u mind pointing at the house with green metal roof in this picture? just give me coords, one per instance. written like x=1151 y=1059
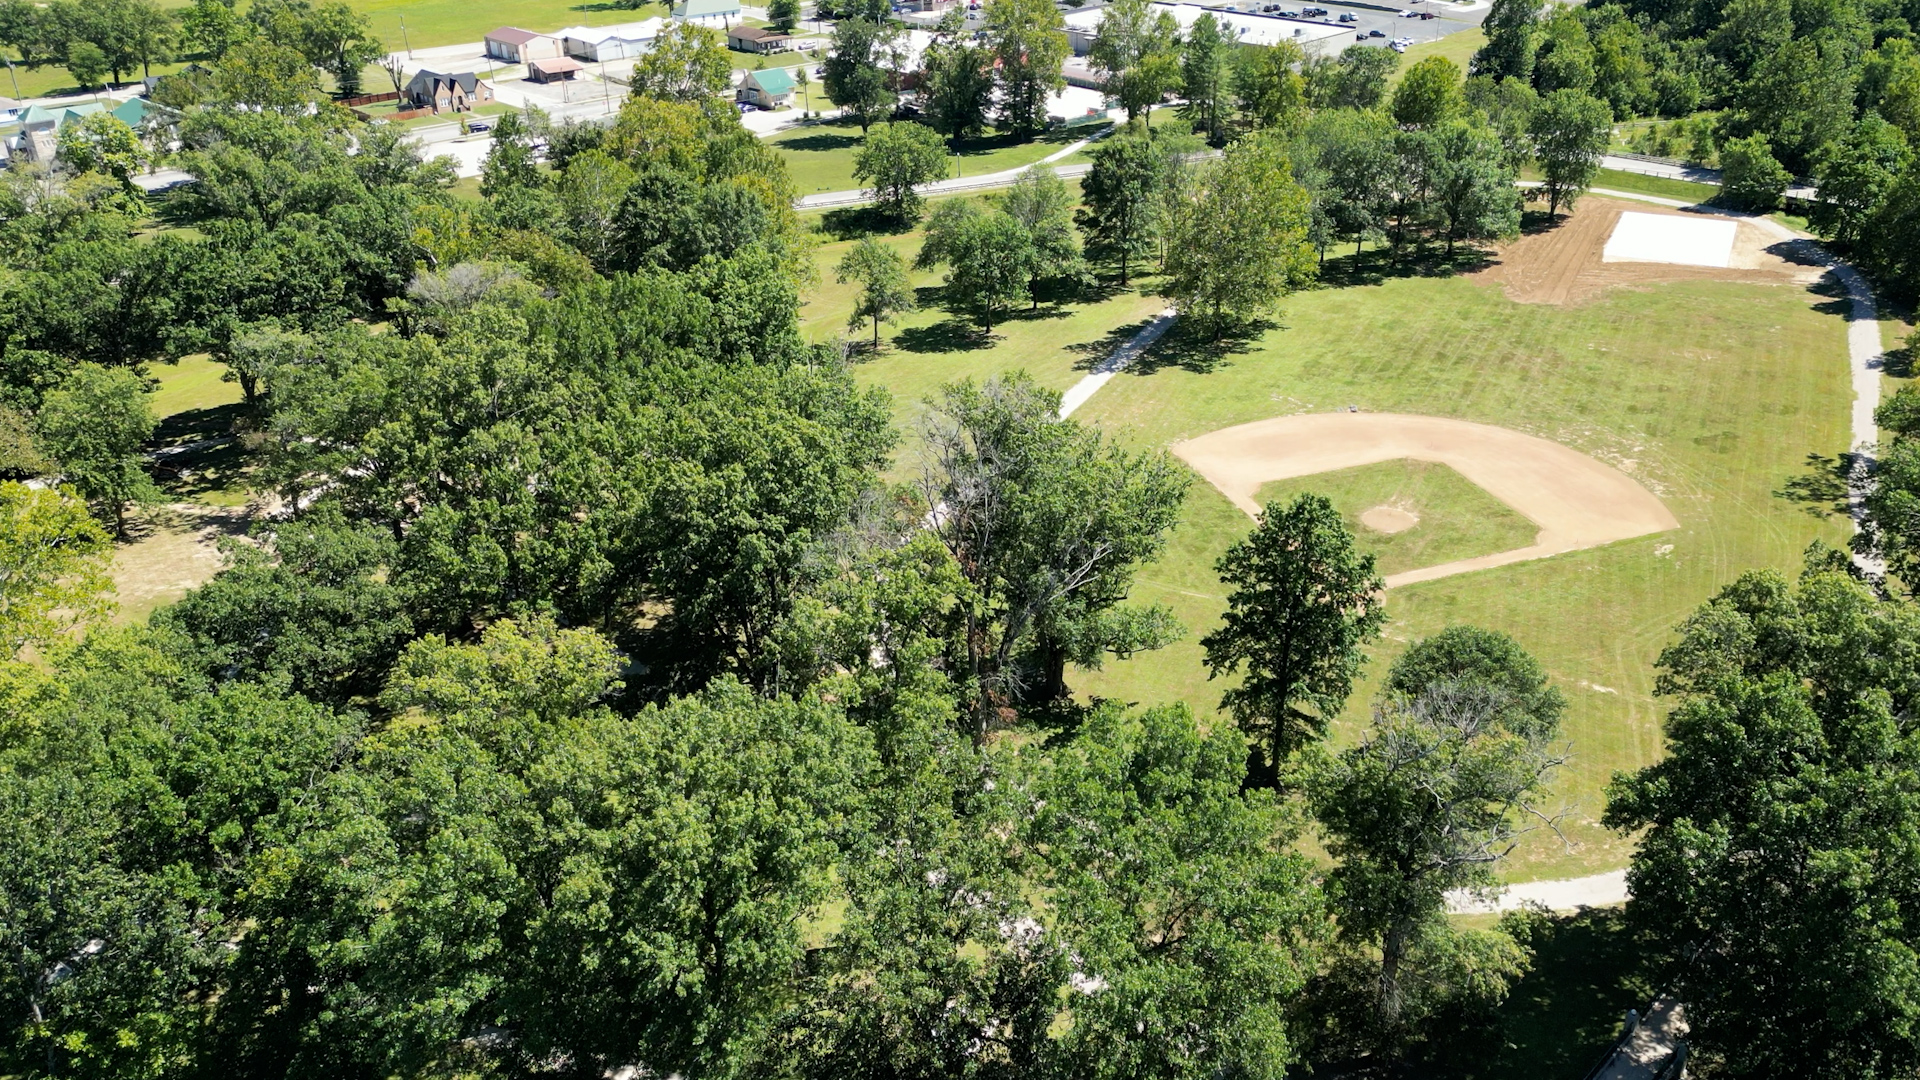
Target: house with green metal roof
x=40 y=125
x=720 y=13
x=771 y=88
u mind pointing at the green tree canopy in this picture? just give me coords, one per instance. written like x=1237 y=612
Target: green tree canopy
x=1300 y=604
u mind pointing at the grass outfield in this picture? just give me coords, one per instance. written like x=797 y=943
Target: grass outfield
x=820 y=157
x=1456 y=519
x=1711 y=392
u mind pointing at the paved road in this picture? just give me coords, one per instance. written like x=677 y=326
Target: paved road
x=982 y=182
x=1670 y=170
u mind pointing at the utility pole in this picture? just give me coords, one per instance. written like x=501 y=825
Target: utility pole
x=403 y=37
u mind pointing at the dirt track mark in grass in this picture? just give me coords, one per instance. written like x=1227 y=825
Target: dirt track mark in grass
x=1456 y=519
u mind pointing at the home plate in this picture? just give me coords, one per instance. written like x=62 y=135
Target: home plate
x=1671 y=238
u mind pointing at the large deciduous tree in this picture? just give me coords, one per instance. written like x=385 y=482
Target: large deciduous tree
x=855 y=74
x=1241 y=244
x=957 y=81
x=1301 y=603
x=1048 y=522
x=1192 y=923
x=95 y=425
x=881 y=274
x=1777 y=863
x=1136 y=50
x=1029 y=42
x=1123 y=214
x=989 y=256
x=1570 y=131
x=897 y=158
x=687 y=62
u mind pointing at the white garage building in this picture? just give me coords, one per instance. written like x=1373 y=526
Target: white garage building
x=620 y=41
x=1248 y=29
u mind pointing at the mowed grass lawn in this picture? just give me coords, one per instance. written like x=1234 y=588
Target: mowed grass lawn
x=820 y=157
x=1711 y=392
x=930 y=348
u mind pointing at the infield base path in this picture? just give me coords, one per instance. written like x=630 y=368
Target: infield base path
x=1576 y=501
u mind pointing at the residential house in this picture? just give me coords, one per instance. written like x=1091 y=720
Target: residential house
x=517 y=46
x=618 y=42
x=758 y=39
x=560 y=69
x=720 y=13
x=40 y=126
x=768 y=89
x=463 y=92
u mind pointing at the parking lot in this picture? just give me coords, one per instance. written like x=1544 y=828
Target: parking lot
x=1448 y=18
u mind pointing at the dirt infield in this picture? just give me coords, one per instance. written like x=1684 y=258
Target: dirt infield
x=1563 y=265
x=1577 y=501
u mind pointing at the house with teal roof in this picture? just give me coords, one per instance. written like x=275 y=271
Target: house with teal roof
x=771 y=88
x=40 y=125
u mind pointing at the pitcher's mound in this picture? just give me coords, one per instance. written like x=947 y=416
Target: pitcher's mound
x=1389 y=519
x=1576 y=501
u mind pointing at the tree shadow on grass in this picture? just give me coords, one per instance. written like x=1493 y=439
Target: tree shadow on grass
x=1376 y=266
x=1197 y=349
x=823 y=142
x=1837 y=302
x=201 y=451
x=1091 y=353
x=855 y=222
x=949 y=335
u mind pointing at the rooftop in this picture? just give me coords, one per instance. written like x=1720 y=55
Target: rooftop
x=1247 y=29
x=644 y=30
x=513 y=35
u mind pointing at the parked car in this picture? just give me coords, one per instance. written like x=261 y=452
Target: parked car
x=1349 y=17
x=1376 y=33
x=1409 y=15
x=1313 y=12
x=1361 y=36
x=475 y=127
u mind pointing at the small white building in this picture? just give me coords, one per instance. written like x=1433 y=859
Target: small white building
x=620 y=41
x=719 y=14
x=1245 y=28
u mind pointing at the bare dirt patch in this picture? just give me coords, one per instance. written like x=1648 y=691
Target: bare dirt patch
x=1563 y=264
x=175 y=550
x=1389 y=519
x=1577 y=501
